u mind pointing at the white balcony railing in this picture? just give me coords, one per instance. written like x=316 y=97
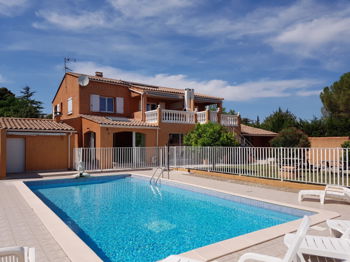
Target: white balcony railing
x=181 y=117
x=229 y=120
x=151 y=116
x=201 y=117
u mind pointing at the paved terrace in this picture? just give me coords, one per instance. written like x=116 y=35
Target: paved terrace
x=19 y=225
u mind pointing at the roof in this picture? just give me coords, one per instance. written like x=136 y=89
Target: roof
x=118 y=121
x=33 y=124
x=254 y=131
x=134 y=86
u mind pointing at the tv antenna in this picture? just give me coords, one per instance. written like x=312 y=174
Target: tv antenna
x=68 y=60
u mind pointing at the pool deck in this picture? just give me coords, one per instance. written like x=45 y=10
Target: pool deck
x=20 y=223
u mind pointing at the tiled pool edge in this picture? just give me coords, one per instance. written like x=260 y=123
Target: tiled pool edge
x=229 y=246
x=81 y=252
x=75 y=248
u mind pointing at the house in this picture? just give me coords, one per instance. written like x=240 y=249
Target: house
x=108 y=112
x=28 y=144
x=258 y=137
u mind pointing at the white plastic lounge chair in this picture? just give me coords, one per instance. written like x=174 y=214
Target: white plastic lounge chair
x=339 y=228
x=332 y=191
x=177 y=258
x=291 y=254
x=320 y=246
x=18 y=254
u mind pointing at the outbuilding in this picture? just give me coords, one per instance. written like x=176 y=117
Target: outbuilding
x=33 y=144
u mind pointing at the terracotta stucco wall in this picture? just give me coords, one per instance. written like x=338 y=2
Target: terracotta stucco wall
x=46 y=152
x=328 y=141
x=69 y=88
x=2 y=153
x=166 y=129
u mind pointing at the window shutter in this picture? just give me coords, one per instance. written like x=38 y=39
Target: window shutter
x=120 y=105
x=70 y=106
x=94 y=103
x=58 y=108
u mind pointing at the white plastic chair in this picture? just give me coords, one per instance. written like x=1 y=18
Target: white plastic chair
x=17 y=254
x=332 y=191
x=291 y=255
x=339 y=228
x=320 y=246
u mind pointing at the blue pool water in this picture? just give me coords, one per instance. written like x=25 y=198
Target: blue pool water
x=125 y=219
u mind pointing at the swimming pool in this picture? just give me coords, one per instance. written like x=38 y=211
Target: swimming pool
x=123 y=218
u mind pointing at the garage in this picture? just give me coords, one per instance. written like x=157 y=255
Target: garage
x=29 y=145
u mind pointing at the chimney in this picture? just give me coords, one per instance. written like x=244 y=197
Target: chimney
x=99 y=74
x=189 y=99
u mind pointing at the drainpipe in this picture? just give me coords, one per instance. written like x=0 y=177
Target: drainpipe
x=69 y=136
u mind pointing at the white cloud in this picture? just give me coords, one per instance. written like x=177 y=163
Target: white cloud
x=12 y=7
x=146 y=8
x=265 y=88
x=68 y=21
x=306 y=38
x=2 y=79
x=309 y=92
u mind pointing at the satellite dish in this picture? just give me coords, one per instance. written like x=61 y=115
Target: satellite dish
x=83 y=80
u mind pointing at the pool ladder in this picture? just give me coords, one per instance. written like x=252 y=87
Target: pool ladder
x=156 y=177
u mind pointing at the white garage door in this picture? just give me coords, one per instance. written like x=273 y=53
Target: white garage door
x=15 y=149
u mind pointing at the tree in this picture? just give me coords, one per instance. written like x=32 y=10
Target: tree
x=314 y=127
x=336 y=97
x=211 y=134
x=5 y=93
x=23 y=106
x=31 y=107
x=279 y=120
x=229 y=112
x=290 y=137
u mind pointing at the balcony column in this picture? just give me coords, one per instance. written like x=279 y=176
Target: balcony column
x=195 y=115
x=219 y=112
x=207 y=115
x=143 y=106
x=159 y=115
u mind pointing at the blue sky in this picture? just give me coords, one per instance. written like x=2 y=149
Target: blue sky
x=258 y=55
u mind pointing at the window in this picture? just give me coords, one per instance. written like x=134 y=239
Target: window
x=70 y=106
x=151 y=107
x=106 y=104
x=175 y=140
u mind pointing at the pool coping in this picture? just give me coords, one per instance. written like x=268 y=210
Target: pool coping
x=77 y=250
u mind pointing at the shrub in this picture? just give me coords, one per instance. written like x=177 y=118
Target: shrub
x=290 y=137
x=211 y=134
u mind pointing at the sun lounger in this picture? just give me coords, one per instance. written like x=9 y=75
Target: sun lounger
x=291 y=254
x=18 y=254
x=320 y=246
x=331 y=191
x=339 y=228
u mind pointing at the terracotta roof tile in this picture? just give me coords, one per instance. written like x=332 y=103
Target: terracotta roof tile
x=144 y=87
x=118 y=121
x=38 y=124
x=253 y=131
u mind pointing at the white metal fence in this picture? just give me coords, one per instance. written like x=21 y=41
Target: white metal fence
x=307 y=165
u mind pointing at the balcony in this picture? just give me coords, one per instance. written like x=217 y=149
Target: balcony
x=188 y=117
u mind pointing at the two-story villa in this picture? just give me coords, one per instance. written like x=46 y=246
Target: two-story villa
x=114 y=113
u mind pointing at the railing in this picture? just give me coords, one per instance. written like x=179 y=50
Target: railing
x=181 y=117
x=229 y=120
x=152 y=116
x=306 y=165
x=213 y=116
x=202 y=117
x=119 y=158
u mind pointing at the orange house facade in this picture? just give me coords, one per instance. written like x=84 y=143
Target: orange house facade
x=114 y=113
